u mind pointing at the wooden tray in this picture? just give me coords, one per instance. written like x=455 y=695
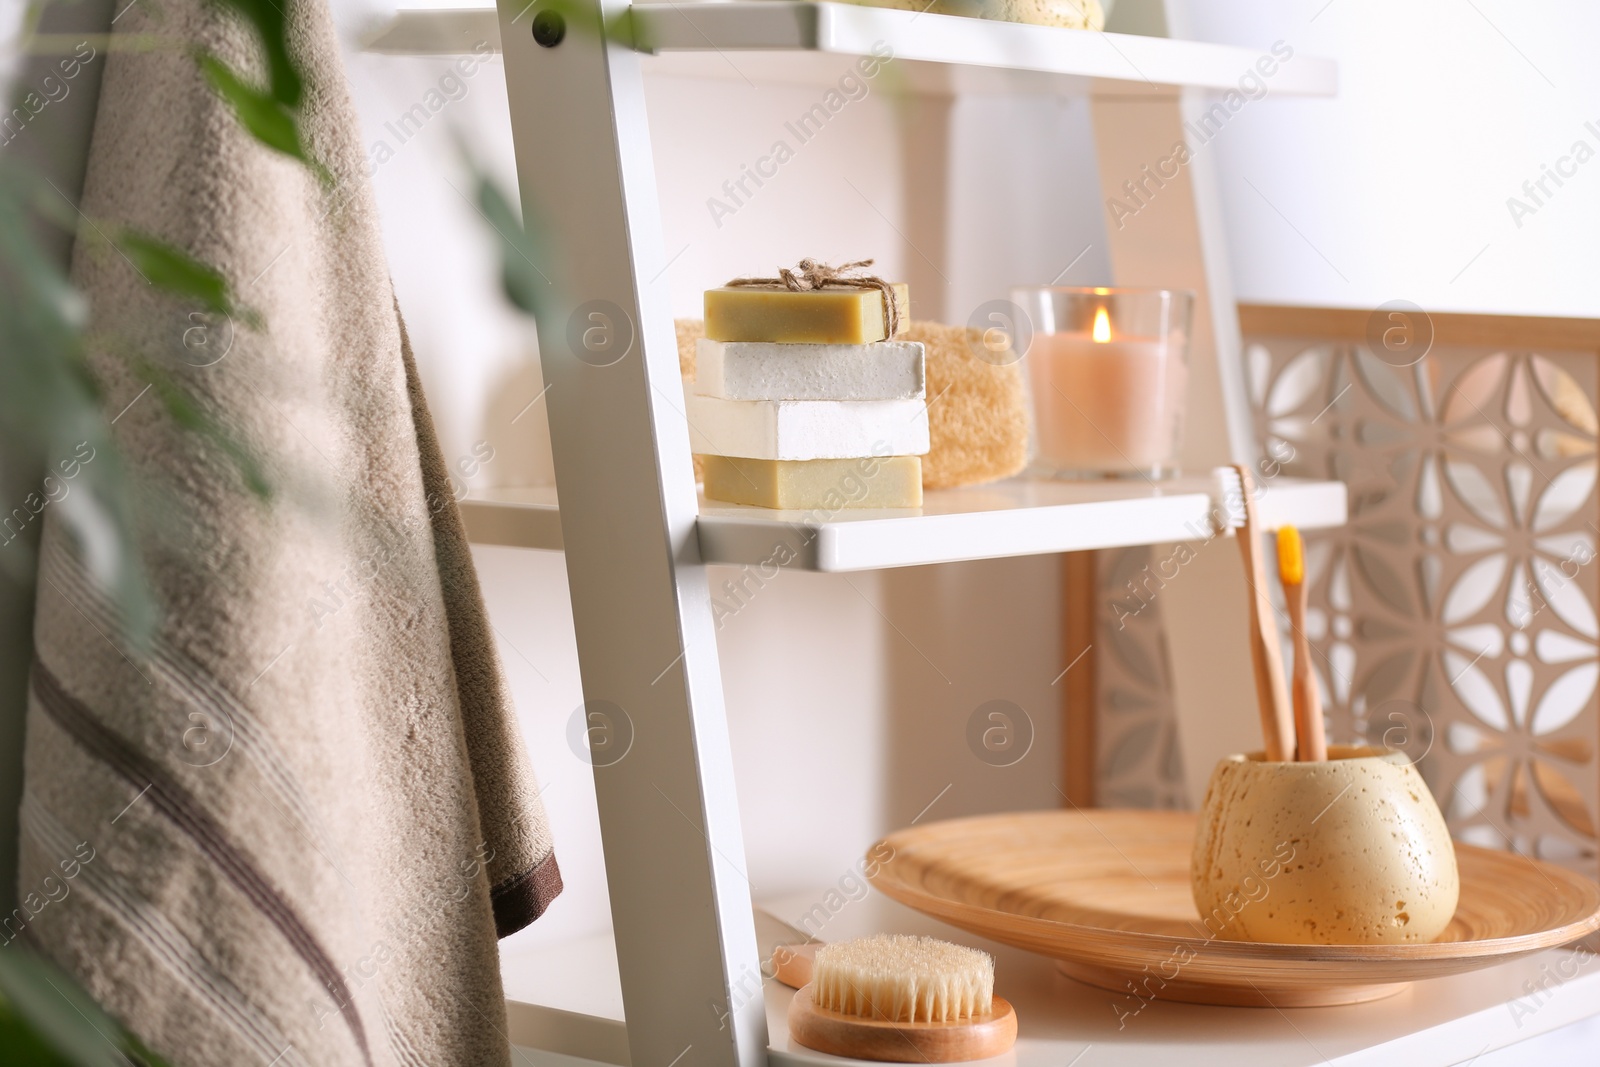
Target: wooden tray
x=1106 y=893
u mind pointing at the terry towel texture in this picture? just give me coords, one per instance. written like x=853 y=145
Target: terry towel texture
x=289 y=831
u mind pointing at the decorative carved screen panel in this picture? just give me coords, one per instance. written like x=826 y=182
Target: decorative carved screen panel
x=1138 y=764
x=1455 y=616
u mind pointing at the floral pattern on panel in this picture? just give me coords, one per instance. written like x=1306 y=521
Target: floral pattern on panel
x=1137 y=760
x=1455 y=615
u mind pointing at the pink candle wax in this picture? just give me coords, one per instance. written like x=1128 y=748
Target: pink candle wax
x=1113 y=405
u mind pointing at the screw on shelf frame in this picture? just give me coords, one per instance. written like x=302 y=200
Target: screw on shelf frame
x=549 y=28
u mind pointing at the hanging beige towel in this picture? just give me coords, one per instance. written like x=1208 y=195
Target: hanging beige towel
x=288 y=831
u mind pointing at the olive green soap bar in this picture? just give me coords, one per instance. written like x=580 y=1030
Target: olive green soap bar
x=813 y=317
x=815 y=484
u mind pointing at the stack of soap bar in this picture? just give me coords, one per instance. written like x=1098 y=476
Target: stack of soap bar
x=760 y=370
x=815 y=316
x=830 y=484
x=799 y=401
x=807 y=429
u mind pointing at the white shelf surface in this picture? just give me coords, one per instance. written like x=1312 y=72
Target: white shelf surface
x=1019 y=517
x=803 y=42
x=1436 y=1023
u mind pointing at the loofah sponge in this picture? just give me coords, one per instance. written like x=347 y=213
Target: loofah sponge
x=977 y=410
x=689 y=332
x=1068 y=14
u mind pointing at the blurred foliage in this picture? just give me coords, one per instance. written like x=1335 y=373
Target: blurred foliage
x=51 y=403
x=180 y=274
x=189 y=415
x=261 y=113
x=269 y=114
x=46 y=1020
x=522 y=281
x=267 y=18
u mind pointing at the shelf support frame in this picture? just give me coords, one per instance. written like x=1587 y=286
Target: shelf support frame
x=1173 y=238
x=647 y=650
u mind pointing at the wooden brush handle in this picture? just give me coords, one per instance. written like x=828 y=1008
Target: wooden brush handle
x=877 y=1039
x=791 y=964
x=1266 y=654
x=1311 y=738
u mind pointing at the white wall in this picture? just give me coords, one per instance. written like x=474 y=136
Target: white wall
x=1398 y=187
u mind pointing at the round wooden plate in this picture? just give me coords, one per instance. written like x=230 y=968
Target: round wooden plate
x=1106 y=893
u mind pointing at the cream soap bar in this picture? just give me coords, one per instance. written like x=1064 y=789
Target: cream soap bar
x=807 y=429
x=828 y=484
x=816 y=316
x=760 y=370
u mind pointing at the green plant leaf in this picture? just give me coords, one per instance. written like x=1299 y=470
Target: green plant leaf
x=61 y=1016
x=619 y=28
x=177 y=272
x=264 y=116
x=271 y=25
x=141 y=1054
x=50 y=404
x=525 y=284
x=23 y=1045
x=187 y=413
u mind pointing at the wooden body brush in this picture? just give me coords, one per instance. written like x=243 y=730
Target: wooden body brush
x=791 y=964
x=902 y=999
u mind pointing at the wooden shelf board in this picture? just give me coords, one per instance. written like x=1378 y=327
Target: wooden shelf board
x=802 y=42
x=1521 y=333
x=1019 y=517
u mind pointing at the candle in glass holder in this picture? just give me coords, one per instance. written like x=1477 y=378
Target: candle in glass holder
x=1109 y=380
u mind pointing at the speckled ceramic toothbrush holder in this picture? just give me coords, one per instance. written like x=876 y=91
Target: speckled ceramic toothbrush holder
x=1352 y=850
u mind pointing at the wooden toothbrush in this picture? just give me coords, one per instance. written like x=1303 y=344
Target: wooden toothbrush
x=1312 y=740
x=1266 y=654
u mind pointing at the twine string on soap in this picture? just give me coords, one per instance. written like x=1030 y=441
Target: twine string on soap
x=810 y=275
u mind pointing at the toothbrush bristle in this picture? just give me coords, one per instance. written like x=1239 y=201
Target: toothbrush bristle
x=1291 y=556
x=1228 y=490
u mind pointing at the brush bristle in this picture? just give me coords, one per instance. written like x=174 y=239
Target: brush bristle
x=1227 y=495
x=903 y=979
x=1291 y=556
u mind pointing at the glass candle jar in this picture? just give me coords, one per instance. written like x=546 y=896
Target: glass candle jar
x=1109 y=375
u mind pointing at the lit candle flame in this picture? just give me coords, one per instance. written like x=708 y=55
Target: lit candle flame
x=1102 y=325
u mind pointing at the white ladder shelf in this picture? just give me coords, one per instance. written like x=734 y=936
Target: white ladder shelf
x=636 y=536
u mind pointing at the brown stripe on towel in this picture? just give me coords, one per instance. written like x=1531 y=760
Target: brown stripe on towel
x=161 y=939
x=523 y=897
x=191 y=682
x=175 y=802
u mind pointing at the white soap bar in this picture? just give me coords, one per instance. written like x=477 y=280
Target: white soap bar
x=807 y=429
x=761 y=370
